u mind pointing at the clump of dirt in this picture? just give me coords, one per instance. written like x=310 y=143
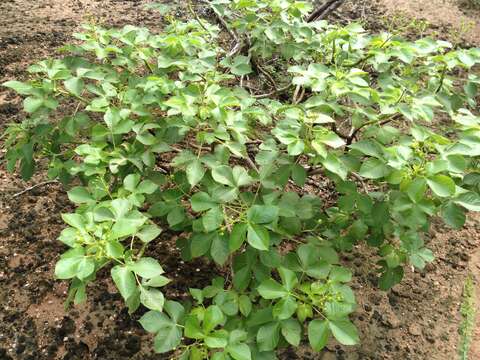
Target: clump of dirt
x=417 y=319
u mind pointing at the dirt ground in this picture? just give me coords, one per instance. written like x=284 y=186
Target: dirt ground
x=417 y=319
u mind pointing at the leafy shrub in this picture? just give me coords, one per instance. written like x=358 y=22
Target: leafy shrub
x=173 y=131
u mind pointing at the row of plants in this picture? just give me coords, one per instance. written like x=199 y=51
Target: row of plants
x=210 y=130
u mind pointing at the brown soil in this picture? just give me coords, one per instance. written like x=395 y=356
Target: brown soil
x=418 y=319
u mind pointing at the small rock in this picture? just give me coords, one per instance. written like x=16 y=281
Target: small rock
x=391 y=320
x=415 y=330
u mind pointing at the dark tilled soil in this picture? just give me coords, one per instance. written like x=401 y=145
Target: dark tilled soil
x=418 y=319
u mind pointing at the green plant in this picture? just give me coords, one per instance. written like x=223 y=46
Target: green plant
x=468 y=311
x=172 y=130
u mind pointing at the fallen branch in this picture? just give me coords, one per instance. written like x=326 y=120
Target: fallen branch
x=238 y=43
x=324 y=10
x=354 y=131
x=34 y=187
x=274 y=92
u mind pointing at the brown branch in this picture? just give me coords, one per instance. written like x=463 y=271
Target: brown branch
x=271 y=93
x=324 y=10
x=34 y=187
x=238 y=43
x=354 y=131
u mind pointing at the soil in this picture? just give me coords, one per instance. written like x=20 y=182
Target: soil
x=417 y=319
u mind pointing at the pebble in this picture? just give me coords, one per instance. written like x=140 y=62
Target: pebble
x=415 y=330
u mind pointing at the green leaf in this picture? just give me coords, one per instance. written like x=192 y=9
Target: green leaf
x=374 y=169
x=223 y=175
x=241 y=66
x=441 y=185
x=31 y=104
x=219 y=250
x=292 y=331
x=344 y=331
x=147 y=268
x=453 y=215
x=154 y=321
x=80 y=195
x=67 y=268
x=334 y=164
x=270 y=289
x=200 y=244
x=157 y=281
x=148 y=233
x=318 y=334
x=217 y=339
x=168 y=336
x=258 y=237
x=262 y=214
x=86 y=267
x=245 y=305
x=124 y=280
x=299 y=174
x=153 y=299
x=285 y=308
x=239 y=351
x=195 y=172
x=289 y=278
x=212 y=318
x=201 y=201
x=469 y=200
x=167 y=339
x=268 y=336
x=241 y=177
x=74 y=85
x=192 y=328
x=75 y=220
x=128 y=225
x=19 y=87
x=331 y=139
x=237 y=236
x=390 y=278
x=213 y=219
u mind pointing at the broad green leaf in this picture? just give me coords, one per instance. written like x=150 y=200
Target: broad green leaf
x=285 y=308
x=147 y=268
x=245 y=305
x=373 y=169
x=441 y=185
x=258 y=237
x=148 y=233
x=291 y=331
x=262 y=214
x=86 y=267
x=239 y=351
x=469 y=200
x=167 y=339
x=318 y=334
x=237 y=236
x=212 y=318
x=289 y=278
x=217 y=339
x=344 y=331
x=153 y=299
x=334 y=164
x=80 y=195
x=201 y=201
x=195 y=172
x=268 y=336
x=219 y=250
x=124 y=280
x=453 y=215
x=270 y=289
x=74 y=85
x=19 y=87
